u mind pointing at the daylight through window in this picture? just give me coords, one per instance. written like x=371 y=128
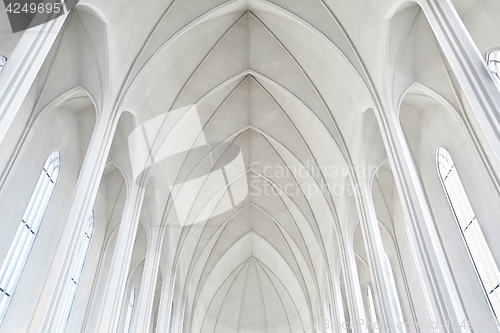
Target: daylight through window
x=493 y=61
x=86 y=238
x=130 y=310
x=479 y=251
x=3 y=62
x=25 y=237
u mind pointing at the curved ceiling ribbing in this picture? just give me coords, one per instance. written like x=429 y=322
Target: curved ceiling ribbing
x=274 y=84
x=259 y=292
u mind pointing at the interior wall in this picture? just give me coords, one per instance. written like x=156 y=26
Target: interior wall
x=58 y=130
x=479 y=29
x=306 y=115
x=435 y=122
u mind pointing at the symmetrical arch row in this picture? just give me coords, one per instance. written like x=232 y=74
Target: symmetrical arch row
x=349 y=224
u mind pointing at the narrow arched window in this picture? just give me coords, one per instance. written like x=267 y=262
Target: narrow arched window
x=3 y=62
x=28 y=229
x=493 y=61
x=85 y=240
x=475 y=242
x=374 y=325
x=130 y=310
x=401 y=319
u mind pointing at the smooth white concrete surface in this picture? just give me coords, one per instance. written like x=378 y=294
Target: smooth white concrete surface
x=337 y=109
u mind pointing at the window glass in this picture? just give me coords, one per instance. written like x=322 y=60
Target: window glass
x=479 y=251
x=86 y=238
x=28 y=229
x=493 y=61
x=130 y=310
x=3 y=62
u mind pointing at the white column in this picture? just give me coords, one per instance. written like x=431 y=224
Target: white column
x=164 y=308
x=438 y=279
x=468 y=65
x=22 y=68
x=353 y=290
x=144 y=305
x=81 y=205
x=120 y=264
x=387 y=314
x=338 y=305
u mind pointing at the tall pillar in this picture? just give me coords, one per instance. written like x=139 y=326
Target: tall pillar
x=22 y=68
x=144 y=305
x=120 y=264
x=164 y=308
x=386 y=307
x=468 y=65
x=81 y=204
x=437 y=275
x=338 y=317
x=353 y=290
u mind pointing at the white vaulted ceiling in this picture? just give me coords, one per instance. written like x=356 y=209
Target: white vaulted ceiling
x=288 y=82
x=304 y=88
x=281 y=89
